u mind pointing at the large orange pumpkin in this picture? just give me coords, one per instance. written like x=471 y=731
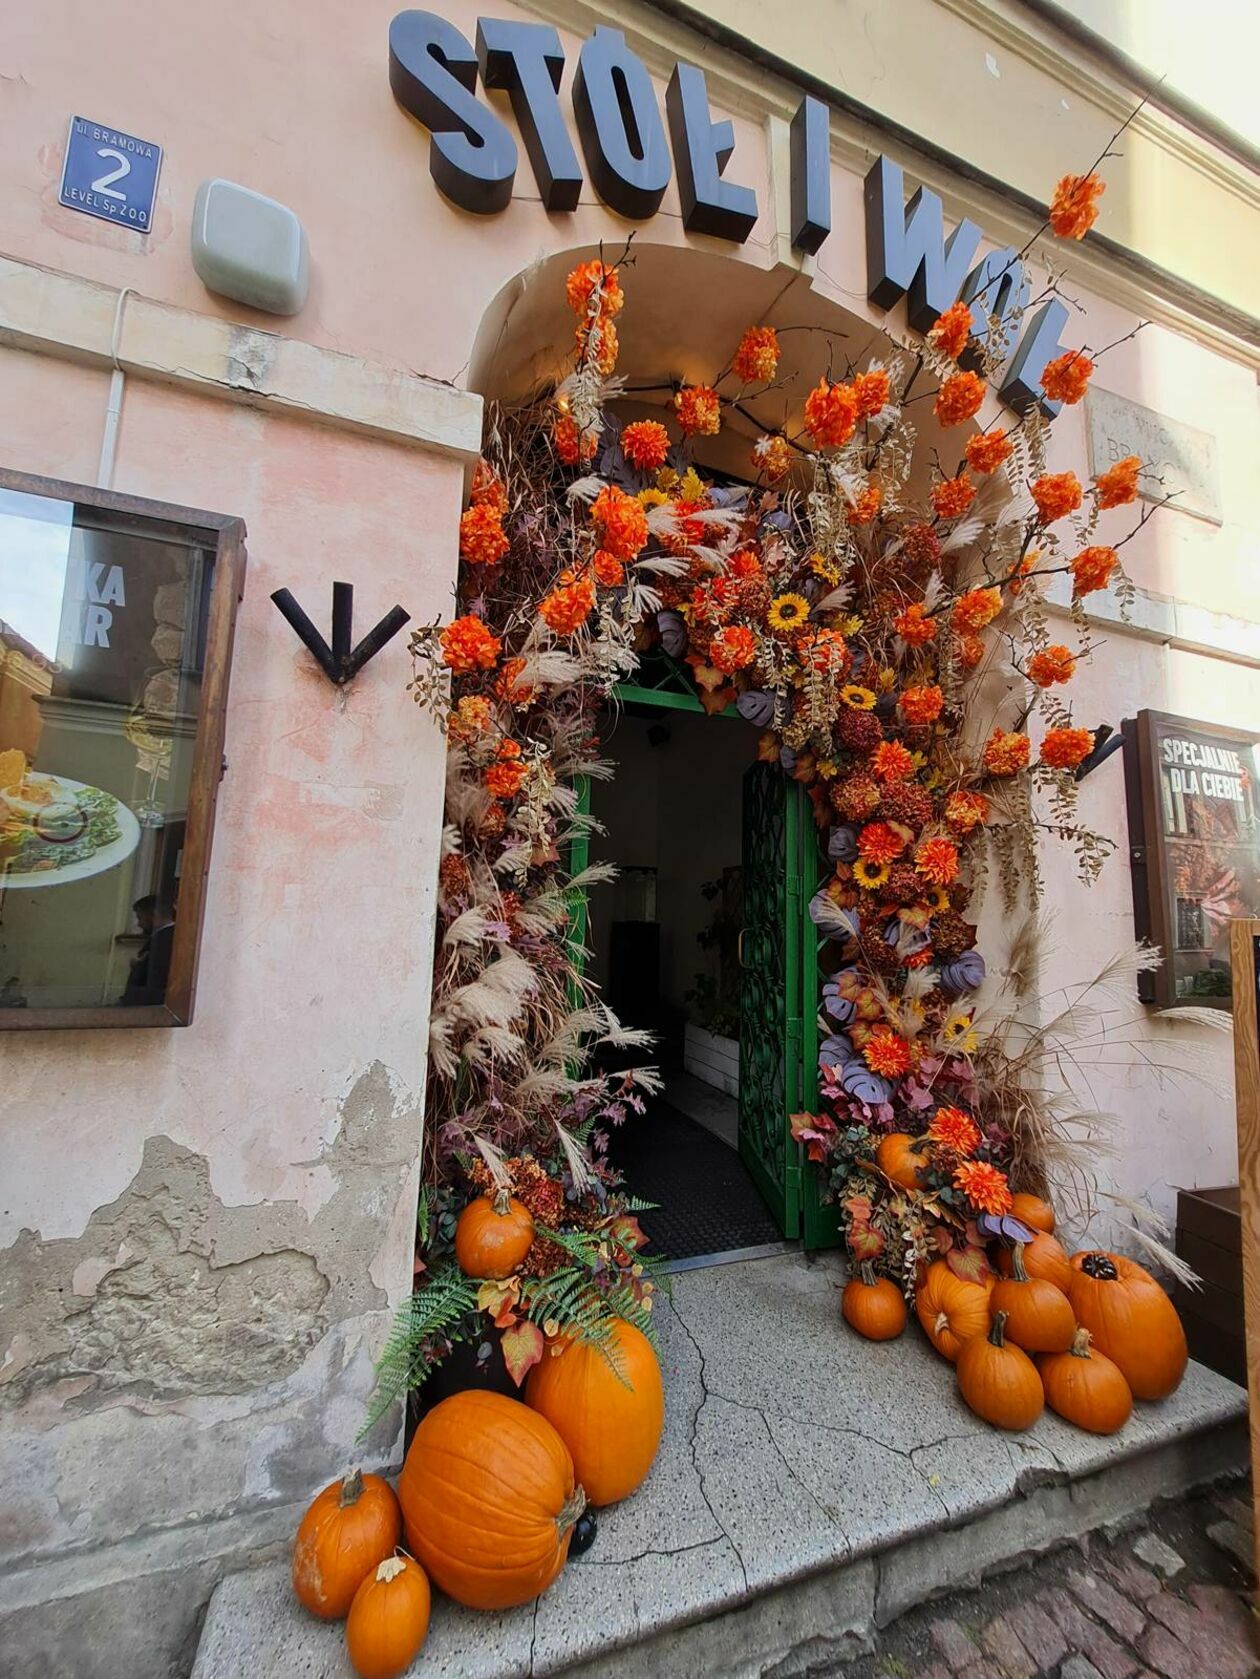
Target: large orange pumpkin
x=998 y=1381
x=350 y=1527
x=1043 y=1257
x=1034 y=1212
x=489 y=1499
x=492 y=1236
x=874 y=1306
x=899 y=1158
x=1085 y=1387
x=389 y=1619
x=951 y=1309
x=609 y=1414
x=1132 y=1321
x=1039 y=1317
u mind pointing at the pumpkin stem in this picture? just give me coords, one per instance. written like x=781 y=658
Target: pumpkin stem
x=499 y=1201
x=351 y=1489
x=867 y=1273
x=1080 y=1344
x=390 y=1569
x=1100 y=1266
x=1018 y=1270
x=942 y=1322
x=570 y=1510
x=997 y=1335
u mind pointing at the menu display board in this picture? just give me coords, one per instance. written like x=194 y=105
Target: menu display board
x=1194 y=826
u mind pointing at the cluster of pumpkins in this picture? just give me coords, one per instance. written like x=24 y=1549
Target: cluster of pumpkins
x=491 y=1490
x=1086 y=1334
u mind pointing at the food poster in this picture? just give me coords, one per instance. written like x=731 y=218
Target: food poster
x=100 y=648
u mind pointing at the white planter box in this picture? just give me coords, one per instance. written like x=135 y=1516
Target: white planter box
x=714 y=1061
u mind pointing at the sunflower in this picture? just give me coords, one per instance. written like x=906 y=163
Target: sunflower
x=787 y=612
x=870 y=875
x=861 y=699
x=937 y=900
x=822 y=567
x=959 y=1035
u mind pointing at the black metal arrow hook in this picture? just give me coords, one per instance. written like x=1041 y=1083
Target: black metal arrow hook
x=340 y=663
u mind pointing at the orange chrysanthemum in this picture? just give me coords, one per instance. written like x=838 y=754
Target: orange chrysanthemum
x=506 y=776
x=572 y=445
x=620 y=522
x=987 y=451
x=1006 y=752
x=970 y=650
x=959 y=398
x=953 y=496
x=468 y=645
x=1064 y=749
x=567 y=607
x=915 y=626
x=470 y=718
x=645 y=444
x=864 y=507
x=965 y=810
x=487 y=489
x=831 y=414
x=1092 y=569
x=772 y=456
x=1066 y=377
x=733 y=648
x=881 y=842
x=608 y=569
x=871 y=392
x=481 y=536
x=886 y=1052
x=984 y=1186
x=949 y=332
x=1051 y=665
x=937 y=861
x=891 y=761
x=746 y=566
x=1057 y=494
x=597 y=344
x=699 y=411
x=974 y=610
x=756 y=361
x=1119 y=484
x=955 y=1130
x=922 y=705
x=587 y=278
x=508 y=685
x=1074 y=207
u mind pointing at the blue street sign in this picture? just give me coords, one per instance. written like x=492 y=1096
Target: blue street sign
x=110 y=174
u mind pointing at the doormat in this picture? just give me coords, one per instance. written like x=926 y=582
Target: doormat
x=707 y=1201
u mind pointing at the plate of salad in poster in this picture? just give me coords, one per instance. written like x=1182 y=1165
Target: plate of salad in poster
x=53 y=829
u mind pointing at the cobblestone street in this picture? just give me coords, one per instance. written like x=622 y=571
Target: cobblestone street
x=1164 y=1600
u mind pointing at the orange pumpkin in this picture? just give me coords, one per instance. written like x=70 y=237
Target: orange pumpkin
x=951 y=1309
x=609 y=1414
x=874 y=1306
x=1132 y=1321
x=389 y=1619
x=998 y=1381
x=1038 y=1316
x=489 y=1499
x=352 y=1525
x=900 y=1158
x=1085 y=1387
x=493 y=1235
x=1034 y=1212
x=1043 y=1257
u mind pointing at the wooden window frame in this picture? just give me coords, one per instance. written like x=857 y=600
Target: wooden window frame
x=224 y=534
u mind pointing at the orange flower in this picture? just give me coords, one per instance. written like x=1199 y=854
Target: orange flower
x=608 y=569
x=1074 y=207
x=970 y=650
x=880 y=842
x=733 y=648
x=891 y=761
x=745 y=565
x=955 y=1130
x=1006 y=752
x=965 y=810
x=1092 y=569
x=922 y=705
x=699 y=411
x=984 y=1186
x=1119 y=484
x=571 y=444
x=470 y=718
x=1057 y=494
x=937 y=861
x=1025 y=568
x=831 y=414
x=1051 y=665
x=1064 y=749
x=886 y=1052
x=870 y=392
x=620 y=522
x=487 y=490
x=772 y=455
x=866 y=505
x=914 y=625
x=975 y=609
x=508 y=686
x=506 y=776
x=645 y=444
x=756 y=361
x=468 y=646
x=567 y=607
x=986 y=452
x=481 y=537
x=950 y=331
x=597 y=344
x=589 y=277
x=953 y=496
x=959 y=398
x=1065 y=378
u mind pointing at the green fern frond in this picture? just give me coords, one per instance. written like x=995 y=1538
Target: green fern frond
x=436 y=1309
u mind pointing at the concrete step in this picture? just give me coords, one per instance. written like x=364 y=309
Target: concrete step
x=810 y=1488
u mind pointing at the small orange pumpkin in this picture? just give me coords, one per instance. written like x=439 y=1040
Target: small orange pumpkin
x=874 y=1306
x=350 y=1527
x=1043 y=1257
x=951 y=1309
x=1034 y=1212
x=389 y=1619
x=489 y=1500
x=609 y=1414
x=493 y=1235
x=1038 y=1316
x=998 y=1381
x=1085 y=1387
x=1131 y=1320
x=900 y=1158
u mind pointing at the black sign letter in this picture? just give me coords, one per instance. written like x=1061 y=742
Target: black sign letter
x=527 y=59
x=702 y=149
x=906 y=248
x=1022 y=387
x=620 y=126
x=811 y=174
x=433 y=75
x=996 y=288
